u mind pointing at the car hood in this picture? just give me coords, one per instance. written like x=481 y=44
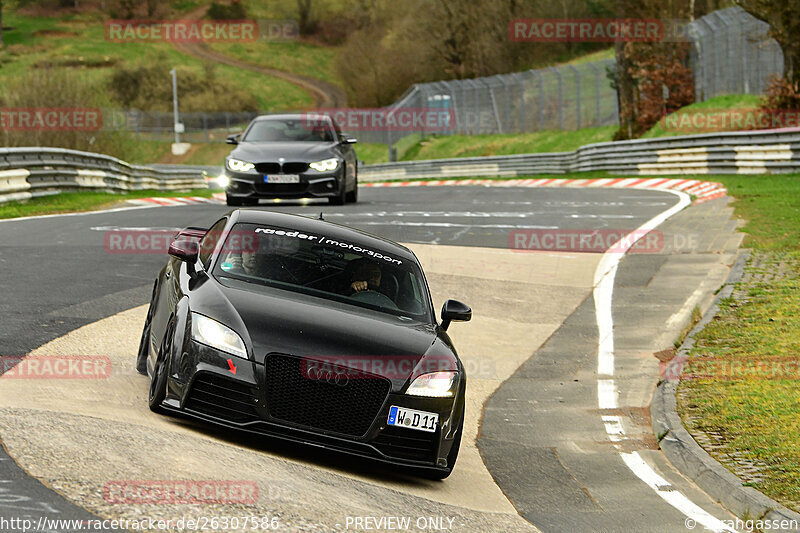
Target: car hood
x=272 y=320
x=265 y=152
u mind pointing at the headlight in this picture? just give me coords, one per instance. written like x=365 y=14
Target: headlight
x=239 y=166
x=433 y=385
x=223 y=181
x=326 y=165
x=210 y=332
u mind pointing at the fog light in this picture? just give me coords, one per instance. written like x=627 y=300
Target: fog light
x=329 y=185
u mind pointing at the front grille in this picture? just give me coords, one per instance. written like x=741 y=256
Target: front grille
x=315 y=403
x=405 y=443
x=293 y=167
x=268 y=168
x=222 y=398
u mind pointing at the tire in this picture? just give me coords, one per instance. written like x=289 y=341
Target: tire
x=144 y=343
x=340 y=198
x=158 y=382
x=352 y=196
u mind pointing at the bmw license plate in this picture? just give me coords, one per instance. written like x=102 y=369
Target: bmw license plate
x=409 y=418
x=281 y=178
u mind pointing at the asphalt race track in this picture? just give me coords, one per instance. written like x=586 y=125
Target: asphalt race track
x=537 y=452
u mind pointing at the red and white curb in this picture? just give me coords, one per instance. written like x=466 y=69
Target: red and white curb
x=701 y=190
x=186 y=200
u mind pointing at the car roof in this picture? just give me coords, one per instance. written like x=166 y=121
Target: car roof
x=321 y=227
x=293 y=116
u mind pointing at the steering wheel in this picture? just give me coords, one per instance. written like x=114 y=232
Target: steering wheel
x=372 y=297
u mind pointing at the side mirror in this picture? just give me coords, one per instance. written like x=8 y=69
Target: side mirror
x=455 y=310
x=192 y=233
x=185 y=249
x=349 y=140
x=233 y=139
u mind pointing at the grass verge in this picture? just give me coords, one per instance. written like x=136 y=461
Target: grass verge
x=74 y=202
x=743 y=399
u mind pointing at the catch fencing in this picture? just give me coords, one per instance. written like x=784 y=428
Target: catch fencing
x=749 y=152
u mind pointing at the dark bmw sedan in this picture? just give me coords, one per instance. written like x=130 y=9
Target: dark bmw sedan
x=308 y=331
x=291 y=156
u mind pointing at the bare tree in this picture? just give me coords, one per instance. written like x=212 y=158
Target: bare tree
x=305 y=22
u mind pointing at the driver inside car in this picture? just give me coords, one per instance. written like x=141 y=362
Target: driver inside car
x=366 y=276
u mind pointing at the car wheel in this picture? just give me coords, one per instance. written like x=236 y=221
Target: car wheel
x=352 y=196
x=340 y=198
x=158 y=381
x=144 y=343
x=233 y=202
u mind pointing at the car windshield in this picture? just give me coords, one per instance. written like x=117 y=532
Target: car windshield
x=289 y=130
x=332 y=269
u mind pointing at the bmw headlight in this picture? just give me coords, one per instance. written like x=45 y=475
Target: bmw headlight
x=239 y=166
x=434 y=385
x=326 y=165
x=210 y=332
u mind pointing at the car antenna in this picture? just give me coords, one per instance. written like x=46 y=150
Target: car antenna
x=320 y=216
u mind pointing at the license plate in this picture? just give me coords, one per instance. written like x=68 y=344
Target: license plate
x=281 y=178
x=409 y=418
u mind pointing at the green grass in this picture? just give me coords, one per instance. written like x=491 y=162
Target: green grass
x=82 y=41
x=719 y=103
x=308 y=59
x=506 y=144
x=73 y=202
x=756 y=416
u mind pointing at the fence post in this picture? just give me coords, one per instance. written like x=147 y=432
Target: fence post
x=540 y=113
x=560 y=99
x=596 y=93
x=577 y=94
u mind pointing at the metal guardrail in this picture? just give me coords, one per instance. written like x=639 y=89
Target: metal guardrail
x=31 y=172
x=751 y=152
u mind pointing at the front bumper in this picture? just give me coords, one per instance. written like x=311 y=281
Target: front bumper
x=204 y=387
x=312 y=184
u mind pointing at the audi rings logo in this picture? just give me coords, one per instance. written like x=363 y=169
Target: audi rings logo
x=333 y=376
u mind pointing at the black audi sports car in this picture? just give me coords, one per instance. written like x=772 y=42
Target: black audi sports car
x=309 y=331
x=291 y=156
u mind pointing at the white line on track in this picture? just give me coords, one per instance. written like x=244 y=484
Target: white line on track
x=606 y=387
